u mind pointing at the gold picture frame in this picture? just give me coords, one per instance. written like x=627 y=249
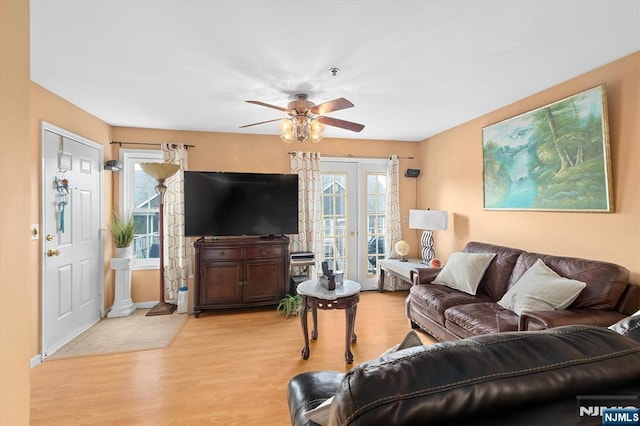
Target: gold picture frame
x=553 y=158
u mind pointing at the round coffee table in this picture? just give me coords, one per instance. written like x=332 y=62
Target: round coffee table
x=314 y=297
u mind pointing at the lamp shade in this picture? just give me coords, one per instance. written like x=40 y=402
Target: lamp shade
x=160 y=171
x=433 y=220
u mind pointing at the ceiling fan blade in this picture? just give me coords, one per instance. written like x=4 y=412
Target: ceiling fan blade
x=262 y=122
x=269 y=106
x=349 y=125
x=330 y=106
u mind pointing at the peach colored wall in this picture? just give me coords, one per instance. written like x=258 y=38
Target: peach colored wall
x=16 y=260
x=261 y=153
x=452 y=162
x=46 y=106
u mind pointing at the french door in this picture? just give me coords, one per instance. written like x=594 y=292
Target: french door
x=353 y=217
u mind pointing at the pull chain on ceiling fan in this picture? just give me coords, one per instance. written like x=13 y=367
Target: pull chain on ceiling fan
x=306 y=120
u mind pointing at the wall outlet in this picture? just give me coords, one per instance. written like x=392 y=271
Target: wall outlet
x=35 y=231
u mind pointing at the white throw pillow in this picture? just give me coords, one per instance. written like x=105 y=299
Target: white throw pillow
x=463 y=271
x=410 y=340
x=320 y=414
x=541 y=289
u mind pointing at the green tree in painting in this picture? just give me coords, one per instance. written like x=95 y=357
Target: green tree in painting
x=568 y=164
x=496 y=175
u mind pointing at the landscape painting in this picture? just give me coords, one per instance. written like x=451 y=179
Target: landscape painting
x=553 y=158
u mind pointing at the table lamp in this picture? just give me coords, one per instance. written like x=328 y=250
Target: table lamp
x=428 y=220
x=161 y=172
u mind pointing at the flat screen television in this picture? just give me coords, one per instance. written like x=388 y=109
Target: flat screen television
x=231 y=204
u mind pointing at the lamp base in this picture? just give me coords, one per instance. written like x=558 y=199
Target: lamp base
x=427 y=247
x=162 y=308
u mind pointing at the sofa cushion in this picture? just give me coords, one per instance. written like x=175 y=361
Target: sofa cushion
x=496 y=277
x=495 y=372
x=434 y=300
x=541 y=289
x=605 y=282
x=463 y=271
x=480 y=318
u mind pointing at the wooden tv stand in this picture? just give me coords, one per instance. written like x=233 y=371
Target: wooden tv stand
x=240 y=272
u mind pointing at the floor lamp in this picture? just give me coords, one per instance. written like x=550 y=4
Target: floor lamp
x=161 y=172
x=428 y=220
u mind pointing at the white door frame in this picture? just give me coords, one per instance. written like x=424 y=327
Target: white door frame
x=46 y=126
x=358 y=251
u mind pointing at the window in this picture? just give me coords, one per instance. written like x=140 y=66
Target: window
x=138 y=197
x=334 y=215
x=376 y=215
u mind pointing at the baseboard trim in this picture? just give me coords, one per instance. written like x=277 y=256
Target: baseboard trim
x=35 y=361
x=145 y=305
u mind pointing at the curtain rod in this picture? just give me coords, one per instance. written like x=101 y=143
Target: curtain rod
x=357 y=156
x=173 y=145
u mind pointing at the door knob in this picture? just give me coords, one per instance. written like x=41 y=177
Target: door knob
x=53 y=252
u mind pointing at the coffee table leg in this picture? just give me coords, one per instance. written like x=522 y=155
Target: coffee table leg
x=314 y=315
x=350 y=314
x=305 y=329
x=354 y=339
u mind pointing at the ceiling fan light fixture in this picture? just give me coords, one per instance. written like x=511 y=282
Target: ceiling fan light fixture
x=317 y=130
x=301 y=129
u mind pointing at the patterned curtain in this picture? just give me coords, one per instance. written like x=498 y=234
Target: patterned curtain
x=393 y=230
x=176 y=250
x=309 y=238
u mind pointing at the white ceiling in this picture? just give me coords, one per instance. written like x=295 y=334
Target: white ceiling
x=412 y=68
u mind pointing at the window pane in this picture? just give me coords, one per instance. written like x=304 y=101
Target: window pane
x=145 y=213
x=138 y=197
x=334 y=219
x=376 y=210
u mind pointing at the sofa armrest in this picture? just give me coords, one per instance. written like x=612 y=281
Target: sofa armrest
x=539 y=320
x=308 y=390
x=423 y=275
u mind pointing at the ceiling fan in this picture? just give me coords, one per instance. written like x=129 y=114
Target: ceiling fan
x=305 y=118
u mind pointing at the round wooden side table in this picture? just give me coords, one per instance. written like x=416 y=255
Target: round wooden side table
x=314 y=297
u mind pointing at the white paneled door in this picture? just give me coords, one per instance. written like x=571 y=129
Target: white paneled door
x=72 y=278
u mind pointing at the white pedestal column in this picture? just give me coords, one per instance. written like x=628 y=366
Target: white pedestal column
x=122 y=304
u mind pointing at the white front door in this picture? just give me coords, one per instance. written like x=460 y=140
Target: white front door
x=72 y=278
x=353 y=212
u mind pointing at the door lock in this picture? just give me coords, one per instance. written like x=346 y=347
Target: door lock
x=53 y=252
x=49 y=237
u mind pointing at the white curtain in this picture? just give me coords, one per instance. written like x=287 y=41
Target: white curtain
x=393 y=229
x=176 y=252
x=309 y=238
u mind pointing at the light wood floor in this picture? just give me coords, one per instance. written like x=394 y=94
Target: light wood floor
x=224 y=368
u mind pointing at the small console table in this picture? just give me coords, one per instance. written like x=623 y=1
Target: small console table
x=314 y=297
x=398 y=268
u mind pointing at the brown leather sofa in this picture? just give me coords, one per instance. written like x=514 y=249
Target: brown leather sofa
x=512 y=378
x=449 y=314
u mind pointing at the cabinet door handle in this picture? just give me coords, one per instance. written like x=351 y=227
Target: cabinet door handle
x=222 y=253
